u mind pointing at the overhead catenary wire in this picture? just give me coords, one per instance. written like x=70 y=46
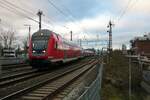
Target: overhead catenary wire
x=19 y=11
x=31 y=13
x=64 y=14
x=49 y=20
x=59 y=10
x=72 y=15
x=69 y=12
x=51 y=3
x=25 y=10
x=133 y=4
x=129 y=6
x=124 y=10
x=12 y=10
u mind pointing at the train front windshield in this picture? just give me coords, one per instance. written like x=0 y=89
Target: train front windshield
x=39 y=43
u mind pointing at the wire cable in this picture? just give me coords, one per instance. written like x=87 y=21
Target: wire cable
x=21 y=12
x=18 y=7
x=12 y=10
x=124 y=10
x=129 y=5
x=65 y=15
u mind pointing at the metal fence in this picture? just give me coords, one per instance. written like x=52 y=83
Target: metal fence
x=93 y=91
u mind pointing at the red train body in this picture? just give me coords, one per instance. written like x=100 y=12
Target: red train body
x=86 y=52
x=47 y=46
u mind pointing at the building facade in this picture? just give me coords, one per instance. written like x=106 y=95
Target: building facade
x=141 y=45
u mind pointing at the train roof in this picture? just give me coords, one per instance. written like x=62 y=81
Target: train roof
x=45 y=32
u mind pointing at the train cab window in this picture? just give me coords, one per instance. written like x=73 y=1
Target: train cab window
x=40 y=42
x=56 y=45
x=57 y=37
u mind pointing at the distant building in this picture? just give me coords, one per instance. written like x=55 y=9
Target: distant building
x=141 y=45
x=8 y=52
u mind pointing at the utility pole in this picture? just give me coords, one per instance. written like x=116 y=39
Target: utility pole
x=110 y=38
x=71 y=36
x=80 y=41
x=0 y=60
x=40 y=13
x=97 y=40
x=29 y=35
x=130 y=78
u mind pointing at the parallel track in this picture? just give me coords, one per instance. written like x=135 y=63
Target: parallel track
x=59 y=81
x=15 y=71
x=13 y=66
x=12 y=79
x=9 y=69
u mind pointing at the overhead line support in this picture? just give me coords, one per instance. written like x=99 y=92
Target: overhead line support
x=40 y=13
x=110 y=38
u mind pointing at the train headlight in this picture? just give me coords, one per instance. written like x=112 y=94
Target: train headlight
x=43 y=51
x=33 y=51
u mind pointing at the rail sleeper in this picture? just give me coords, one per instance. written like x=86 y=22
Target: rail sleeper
x=53 y=87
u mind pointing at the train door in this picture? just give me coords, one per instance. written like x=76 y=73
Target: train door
x=56 y=49
x=59 y=47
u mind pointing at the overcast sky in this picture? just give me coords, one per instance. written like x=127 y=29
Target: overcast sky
x=88 y=19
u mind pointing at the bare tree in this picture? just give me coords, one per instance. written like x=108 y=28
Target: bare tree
x=7 y=38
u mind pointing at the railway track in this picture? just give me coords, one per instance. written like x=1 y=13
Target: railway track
x=13 y=66
x=21 y=76
x=15 y=71
x=9 y=69
x=53 y=84
x=7 y=82
x=12 y=79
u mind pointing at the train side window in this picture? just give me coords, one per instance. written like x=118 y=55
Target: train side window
x=57 y=36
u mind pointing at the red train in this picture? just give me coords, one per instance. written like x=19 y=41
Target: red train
x=86 y=52
x=48 y=47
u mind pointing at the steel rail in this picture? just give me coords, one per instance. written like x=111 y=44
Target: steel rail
x=32 y=87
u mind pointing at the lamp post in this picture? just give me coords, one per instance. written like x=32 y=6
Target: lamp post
x=130 y=78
